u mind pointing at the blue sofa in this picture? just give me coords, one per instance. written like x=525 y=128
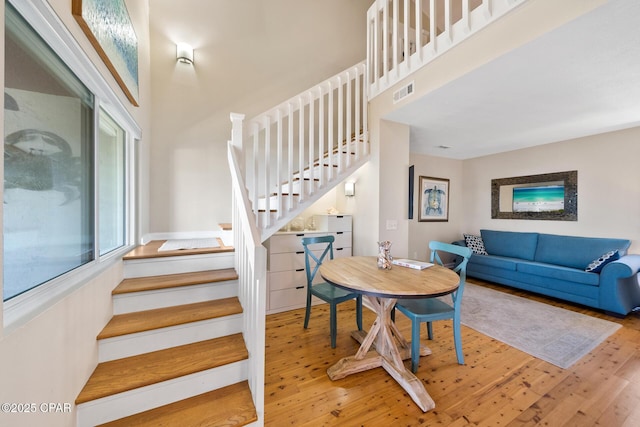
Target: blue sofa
x=554 y=265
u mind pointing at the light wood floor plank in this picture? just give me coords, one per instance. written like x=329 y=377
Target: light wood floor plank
x=498 y=385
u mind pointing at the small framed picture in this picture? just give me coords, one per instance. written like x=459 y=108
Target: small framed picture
x=434 y=199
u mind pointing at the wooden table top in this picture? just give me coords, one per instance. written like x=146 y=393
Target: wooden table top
x=361 y=274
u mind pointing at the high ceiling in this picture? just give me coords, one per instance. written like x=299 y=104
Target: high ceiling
x=580 y=79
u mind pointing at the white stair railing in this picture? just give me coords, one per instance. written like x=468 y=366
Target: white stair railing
x=300 y=149
x=405 y=35
x=251 y=266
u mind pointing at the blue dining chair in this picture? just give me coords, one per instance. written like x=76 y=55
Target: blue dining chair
x=432 y=309
x=323 y=290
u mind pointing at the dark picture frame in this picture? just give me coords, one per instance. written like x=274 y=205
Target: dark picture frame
x=502 y=191
x=434 y=199
x=411 y=190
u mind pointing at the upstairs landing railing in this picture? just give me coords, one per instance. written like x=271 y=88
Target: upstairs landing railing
x=405 y=35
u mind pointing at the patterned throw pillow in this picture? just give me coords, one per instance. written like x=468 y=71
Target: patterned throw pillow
x=475 y=243
x=597 y=265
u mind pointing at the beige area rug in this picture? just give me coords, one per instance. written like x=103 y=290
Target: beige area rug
x=558 y=336
x=180 y=244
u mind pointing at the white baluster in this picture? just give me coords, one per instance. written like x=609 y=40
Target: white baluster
x=279 y=143
x=256 y=167
x=330 y=140
x=348 y=114
x=340 y=124
x=301 y=149
x=357 y=125
x=321 y=143
x=267 y=170
x=290 y=156
x=311 y=147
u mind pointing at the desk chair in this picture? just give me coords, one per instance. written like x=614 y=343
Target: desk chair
x=431 y=309
x=326 y=291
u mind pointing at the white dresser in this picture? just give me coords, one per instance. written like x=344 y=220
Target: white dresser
x=286 y=287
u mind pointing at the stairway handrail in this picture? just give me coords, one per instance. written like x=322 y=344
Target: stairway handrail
x=251 y=266
x=314 y=93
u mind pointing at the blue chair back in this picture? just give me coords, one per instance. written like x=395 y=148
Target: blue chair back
x=309 y=255
x=461 y=268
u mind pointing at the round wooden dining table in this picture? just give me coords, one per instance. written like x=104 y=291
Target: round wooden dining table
x=384 y=346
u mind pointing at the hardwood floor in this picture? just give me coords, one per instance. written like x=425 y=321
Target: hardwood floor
x=498 y=385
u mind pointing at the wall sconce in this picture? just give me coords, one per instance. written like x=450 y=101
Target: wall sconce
x=350 y=189
x=184 y=53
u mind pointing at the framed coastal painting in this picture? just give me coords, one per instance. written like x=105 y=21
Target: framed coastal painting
x=107 y=25
x=434 y=199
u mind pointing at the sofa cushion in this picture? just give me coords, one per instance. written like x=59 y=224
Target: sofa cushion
x=559 y=272
x=575 y=252
x=597 y=265
x=475 y=243
x=510 y=244
x=494 y=261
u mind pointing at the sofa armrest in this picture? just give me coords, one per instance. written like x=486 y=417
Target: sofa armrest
x=458 y=259
x=619 y=286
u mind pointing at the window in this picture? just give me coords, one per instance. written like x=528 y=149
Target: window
x=48 y=186
x=65 y=170
x=111 y=190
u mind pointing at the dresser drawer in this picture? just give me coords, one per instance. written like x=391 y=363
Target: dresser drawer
x=287 y=279
x=341 y=252
x=342 y=239
x=289 y=242
x=290 y=261
x=289 y=299
x=333 y=222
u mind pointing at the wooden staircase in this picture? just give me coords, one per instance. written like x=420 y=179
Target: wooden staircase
x=173 y=353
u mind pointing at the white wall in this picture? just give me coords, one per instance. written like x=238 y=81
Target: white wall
x=608 y=186
x=530 y=20
x=249 y=56
x=50 y=357
x=421 y=233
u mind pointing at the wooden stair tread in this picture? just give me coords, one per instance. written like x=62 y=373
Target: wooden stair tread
x=150 y=250
x=228 y=406
x=139 y=284
x=140 y=321
x=133 y=372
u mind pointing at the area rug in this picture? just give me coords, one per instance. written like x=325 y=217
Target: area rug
x=558 y=336
x=180 y=244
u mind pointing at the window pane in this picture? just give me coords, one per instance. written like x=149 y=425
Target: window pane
x=48 y=178
x=111 y=143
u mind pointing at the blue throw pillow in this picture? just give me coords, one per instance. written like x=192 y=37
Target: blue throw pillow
x=597 y=265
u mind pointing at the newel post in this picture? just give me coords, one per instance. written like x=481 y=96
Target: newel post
x=236 y=137
x=236 y=129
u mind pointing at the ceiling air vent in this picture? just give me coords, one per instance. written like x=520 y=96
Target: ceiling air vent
x=403 y=92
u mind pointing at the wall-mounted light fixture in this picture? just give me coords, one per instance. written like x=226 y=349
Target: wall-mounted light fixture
x=184 y=53
x=350 y=189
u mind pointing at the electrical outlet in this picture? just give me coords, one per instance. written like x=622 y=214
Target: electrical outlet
x=392 y=224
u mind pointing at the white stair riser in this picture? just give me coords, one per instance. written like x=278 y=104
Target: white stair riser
x=160 y=339
x=142 y=399
x=148 y=300
x=179 y=264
